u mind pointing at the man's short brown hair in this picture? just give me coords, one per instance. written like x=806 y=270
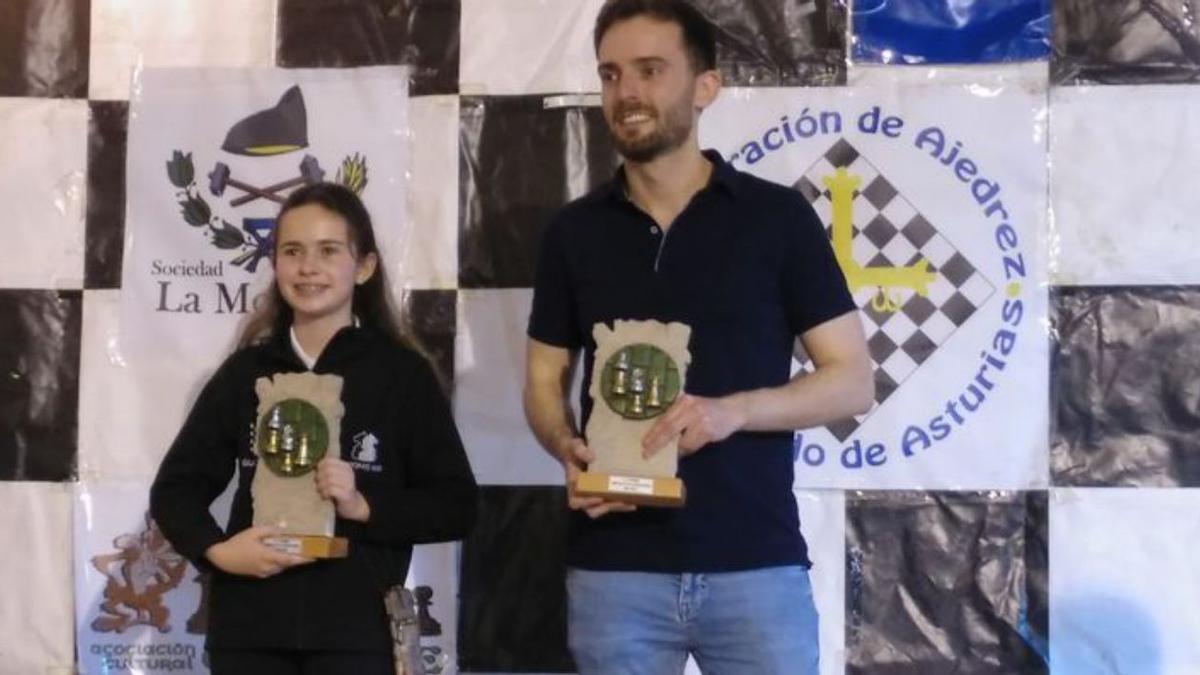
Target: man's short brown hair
x=699 y=39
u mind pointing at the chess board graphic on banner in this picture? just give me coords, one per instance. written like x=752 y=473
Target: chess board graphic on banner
x=212 y=155
x=934 y=200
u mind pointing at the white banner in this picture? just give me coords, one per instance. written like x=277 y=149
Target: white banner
x=934 y=197
x=139 y=605
x=212 y=154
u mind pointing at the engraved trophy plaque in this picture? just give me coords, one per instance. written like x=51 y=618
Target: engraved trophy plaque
x=299 y=423
x=638 y=372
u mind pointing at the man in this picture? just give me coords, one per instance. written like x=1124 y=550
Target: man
x=679 y=235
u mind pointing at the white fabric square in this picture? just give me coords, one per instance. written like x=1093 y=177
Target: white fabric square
x=527 y=46
x=430 y=256
x=36 y=617
x=133 y=34
x=1124 y=162
x=489 y=364
x=1123 y=582
x=823 y=524
x=43 y=185
x=129 y=409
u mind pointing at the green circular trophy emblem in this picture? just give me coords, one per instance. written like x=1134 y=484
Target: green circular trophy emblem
x=292 y=437
x=639 y=381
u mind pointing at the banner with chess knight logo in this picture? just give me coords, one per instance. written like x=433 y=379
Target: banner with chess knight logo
x=934 y=199
x=212 y=154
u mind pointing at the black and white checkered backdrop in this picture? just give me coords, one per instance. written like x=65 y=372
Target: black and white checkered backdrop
x=1094 y=574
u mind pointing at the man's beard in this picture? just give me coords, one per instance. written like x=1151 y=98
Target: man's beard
x=672 y=129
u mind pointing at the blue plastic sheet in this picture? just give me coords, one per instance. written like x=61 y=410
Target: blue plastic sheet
x=950 y=31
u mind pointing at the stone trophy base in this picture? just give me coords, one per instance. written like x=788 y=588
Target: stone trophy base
x=642 y=491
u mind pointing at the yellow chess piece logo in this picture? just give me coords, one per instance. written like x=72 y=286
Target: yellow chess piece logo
x=889 y=280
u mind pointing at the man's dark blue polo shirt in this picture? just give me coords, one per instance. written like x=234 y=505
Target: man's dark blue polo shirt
x=748 y=266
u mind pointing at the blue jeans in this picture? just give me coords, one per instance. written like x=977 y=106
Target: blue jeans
x=744 y=623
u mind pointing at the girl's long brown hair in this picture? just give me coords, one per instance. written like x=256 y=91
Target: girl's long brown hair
x=372 y=301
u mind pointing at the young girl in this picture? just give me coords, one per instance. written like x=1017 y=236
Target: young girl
x=409 y=482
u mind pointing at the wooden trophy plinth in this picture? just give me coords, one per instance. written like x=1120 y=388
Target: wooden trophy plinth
x=638 y=372
x=299 y=422
x=631 y=489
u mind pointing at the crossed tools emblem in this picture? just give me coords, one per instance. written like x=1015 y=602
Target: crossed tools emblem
x=221 y=177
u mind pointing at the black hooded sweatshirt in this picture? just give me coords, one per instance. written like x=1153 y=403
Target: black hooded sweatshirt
x=418 y=484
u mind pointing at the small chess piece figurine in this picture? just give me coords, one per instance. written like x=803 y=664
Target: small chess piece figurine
x=274 y=424
x=654 y=398
x=303 y=458
x=637 y=387
x=621 y=374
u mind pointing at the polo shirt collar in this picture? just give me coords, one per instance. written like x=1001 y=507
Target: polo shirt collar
x=723 y=176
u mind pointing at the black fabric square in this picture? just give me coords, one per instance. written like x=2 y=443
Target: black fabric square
x=946 y=582
x=423 y=34
x=767 y=43
x=107 y=133
x=1125 y=42
x=518 y=163
x=44 y=48
x=1123 y=374
x=433 y=317
x=512 y=594
x=39 y=384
